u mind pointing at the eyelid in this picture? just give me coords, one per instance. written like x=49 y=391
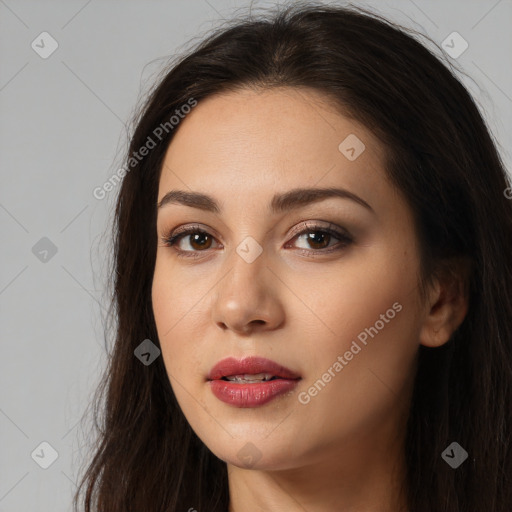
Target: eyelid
x=186 y=229
x=318 y=225
x=299 y=228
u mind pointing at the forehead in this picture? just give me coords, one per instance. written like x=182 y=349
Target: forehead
x=250 y=141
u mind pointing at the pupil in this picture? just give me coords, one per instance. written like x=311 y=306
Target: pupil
x=199 y=236
x=312 y=237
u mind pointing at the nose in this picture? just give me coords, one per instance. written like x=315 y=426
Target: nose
x=248 y=299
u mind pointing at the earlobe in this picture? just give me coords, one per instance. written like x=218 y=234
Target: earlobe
x=446 y=308
x=430 y=337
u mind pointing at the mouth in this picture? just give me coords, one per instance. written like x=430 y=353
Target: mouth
x=250 y=370
x=250 y=382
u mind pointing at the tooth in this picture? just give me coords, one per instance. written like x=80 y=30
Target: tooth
x=250 y=377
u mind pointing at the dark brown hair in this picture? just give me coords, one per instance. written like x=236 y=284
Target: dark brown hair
x=442 y=158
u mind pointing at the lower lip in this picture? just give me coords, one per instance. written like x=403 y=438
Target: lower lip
x=250 y=395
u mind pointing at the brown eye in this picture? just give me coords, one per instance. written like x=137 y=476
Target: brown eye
x=318 y=239
x=197 y=238
x=197 y=241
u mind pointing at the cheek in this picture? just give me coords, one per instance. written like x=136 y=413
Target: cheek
x=172 y=301
x=351 y=298
x=371 y=313
x=170 y=308
x=162 y=300
x=357 y=387
x=181 y=319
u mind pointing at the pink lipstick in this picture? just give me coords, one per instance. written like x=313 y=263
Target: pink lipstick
x=250 y=382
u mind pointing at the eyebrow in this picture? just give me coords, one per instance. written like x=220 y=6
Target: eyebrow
x=280 y=203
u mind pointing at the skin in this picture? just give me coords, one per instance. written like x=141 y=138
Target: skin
x=343 y=450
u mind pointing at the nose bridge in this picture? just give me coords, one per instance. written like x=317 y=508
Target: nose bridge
x=248 y=262
x=246 y=294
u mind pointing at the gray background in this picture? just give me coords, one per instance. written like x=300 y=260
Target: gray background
x=62 y=132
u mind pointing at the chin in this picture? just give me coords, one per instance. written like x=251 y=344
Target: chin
x=256 y=454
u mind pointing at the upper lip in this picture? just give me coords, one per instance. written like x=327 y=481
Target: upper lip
x=250 y=365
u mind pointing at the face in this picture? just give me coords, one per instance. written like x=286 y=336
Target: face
x=327 y=288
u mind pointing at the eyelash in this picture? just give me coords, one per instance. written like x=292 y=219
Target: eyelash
x=345 y=240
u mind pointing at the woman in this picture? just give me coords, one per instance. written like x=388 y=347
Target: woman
x=312 y=288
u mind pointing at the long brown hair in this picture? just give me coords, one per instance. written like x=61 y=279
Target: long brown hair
x=440 y=155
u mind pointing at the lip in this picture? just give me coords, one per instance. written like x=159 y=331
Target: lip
x=250 y=395
x=251 y=365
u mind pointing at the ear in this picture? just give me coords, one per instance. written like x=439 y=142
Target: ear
x=447 y=303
